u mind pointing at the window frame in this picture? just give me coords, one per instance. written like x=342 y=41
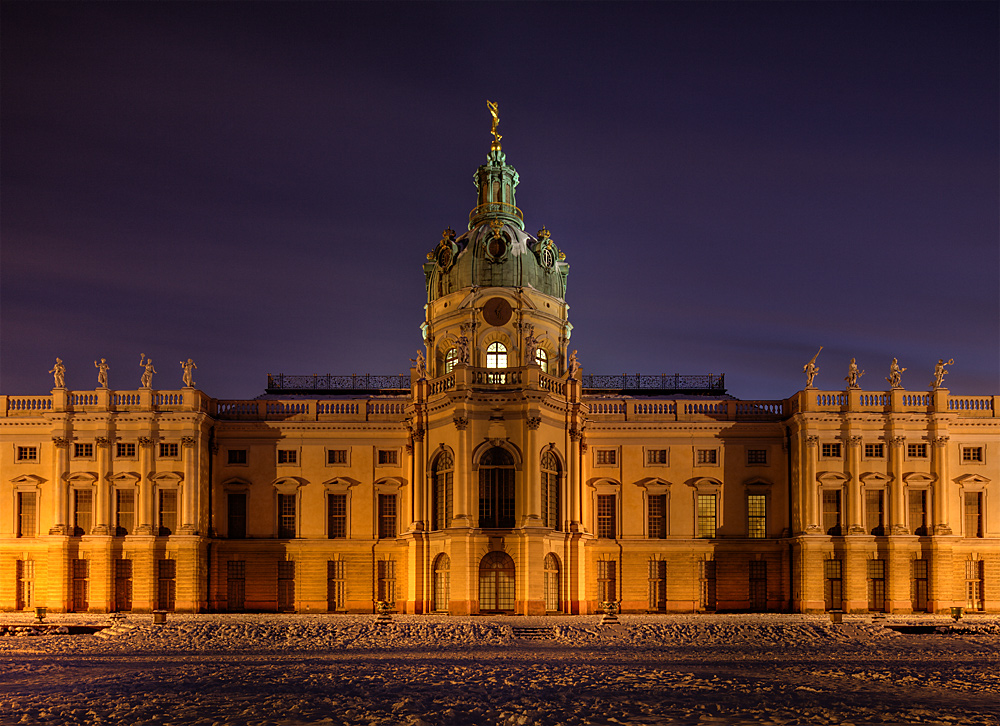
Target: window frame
x=83 y=450
x=173 y=450
x=497 y=353
x=116 y=492
x=831 y=450
x=158 y=501
x=968 y=449
x=606 y=452
x=766 y=456
x=292 y=457
x=917 y=451
x=230 y=457
x=650 y=452
x=707 y=456
x=26 y=454
x=346 y=451
x=871 y=447
x=394 y=461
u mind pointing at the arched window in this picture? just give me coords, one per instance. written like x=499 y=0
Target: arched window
x=450 y=360
x=441 y=490
x=552 y=583
x=550 y=490
x=542 y=359
x=442 y=583
x=496 y=489
x=496 y=355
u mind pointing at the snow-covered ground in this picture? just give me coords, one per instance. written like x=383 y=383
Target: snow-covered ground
x=290 y=670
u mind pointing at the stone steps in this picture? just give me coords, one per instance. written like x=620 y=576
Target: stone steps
x=524 y=633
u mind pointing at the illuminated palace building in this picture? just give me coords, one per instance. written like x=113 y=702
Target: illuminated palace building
x=497 y=478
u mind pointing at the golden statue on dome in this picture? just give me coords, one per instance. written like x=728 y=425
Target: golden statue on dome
x=495 y=113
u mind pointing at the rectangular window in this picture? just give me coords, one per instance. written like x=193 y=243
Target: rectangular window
x=657 y=516
x=874 y=451
x=757 y=515
x=875 y=512
x=288 y=456
x=27 y=514
x=337 y=514
x=167 y=512
x=920 y=589
x=286 y=586
x=387 y=581
x=756 y=456
x=83 y=510
x=758 y=584
x=876 y=585
x=123 y=585
x=125 y=451
x=236 y=585
x=918 y=512
x=286 y=516
x=706 y=585
x=25 y=594
x=27 y=453
x=606 y=516
x=386 y=516
x=336 y=585
x=830 y=451
x=658 y=585
x=606 y=457
x=972 y=454
x=706 y=456
x=973 y=514
x=336 y=456
x=83 y=451
x=80 y=586
x=236 y=515
x=833 y=584
x=166 y=584
x=656 y=456
x=975 y=576
x=169 y=451
x=916 y=451
x=607 y=581
x=706 y=516
x=831 y=511
x=124 y=512
x=388 y=457
x=236 y=456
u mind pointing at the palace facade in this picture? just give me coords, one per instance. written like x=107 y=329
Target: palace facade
x=497 y=478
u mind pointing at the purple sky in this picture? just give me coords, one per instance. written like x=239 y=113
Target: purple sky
x=256 y=185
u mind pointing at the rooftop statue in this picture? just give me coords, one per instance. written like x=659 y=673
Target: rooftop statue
x=853 y=374
x=574 y=365
x=59 y=373
x=495 y=113
x=940 y=372
x=188 y=375
x=421 y=365
x=102 y=372
x=147 y=374
x=895 y=378
x=810 y=369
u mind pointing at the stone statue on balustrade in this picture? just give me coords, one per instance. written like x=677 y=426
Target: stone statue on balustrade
x=147 y=371
x=462 y=348
x=573 y=365
x=895 y=378
x=59 y=374
x=421 y=365
x=853 y=374
x=940 y=372
x=188 y=375
x=102 y=372
x=811 y=369
x=530 y=344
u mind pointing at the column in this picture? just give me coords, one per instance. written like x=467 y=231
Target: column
x=145 y=512
x=810 y=516
x=60 y=513
x=103 y=515
x=939 y=450
x=419 y=480
x=533 y=489
x=897 y=505
x=189 y=448
x=461 y=485
x=853 y=462
x=573 y=483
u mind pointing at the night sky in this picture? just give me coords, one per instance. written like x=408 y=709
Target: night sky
x=256 y=185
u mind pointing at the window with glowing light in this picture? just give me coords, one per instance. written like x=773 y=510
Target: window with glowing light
x=496 y=355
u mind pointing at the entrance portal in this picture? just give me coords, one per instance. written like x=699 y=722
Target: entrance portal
x=496 y=583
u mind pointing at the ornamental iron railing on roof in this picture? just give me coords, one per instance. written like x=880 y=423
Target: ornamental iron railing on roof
x=330 y=382
x=674 y=382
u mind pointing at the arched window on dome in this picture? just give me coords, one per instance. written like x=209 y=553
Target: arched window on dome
x=496 y=355
x=450 y=360
x=542 y=359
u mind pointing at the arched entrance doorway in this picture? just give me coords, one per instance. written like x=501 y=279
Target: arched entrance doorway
x=496 y=583
x=552 y=599
x=442 y=583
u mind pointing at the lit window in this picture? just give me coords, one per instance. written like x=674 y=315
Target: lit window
x=916 y=451
x=756 y=515
x=706 y=516
x=168 y=451
x=542 y=359
x=875 y=451
x=756 y=456
x=496 y=356
x=972 y=454
x=831 y=451
x=288 y=456
x=27 y=453
x=237 y=456
x=83 y=451
x=707 y=456
x=450 y=360
x=125 y=451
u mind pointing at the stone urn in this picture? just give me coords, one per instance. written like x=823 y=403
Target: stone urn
x=382 y=610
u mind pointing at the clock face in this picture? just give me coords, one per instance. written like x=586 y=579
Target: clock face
x=444 y=257
x=497 y=311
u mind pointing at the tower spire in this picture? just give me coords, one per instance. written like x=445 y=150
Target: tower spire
x=496 y=181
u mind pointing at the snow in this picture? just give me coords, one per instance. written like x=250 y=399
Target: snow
x=291 y=670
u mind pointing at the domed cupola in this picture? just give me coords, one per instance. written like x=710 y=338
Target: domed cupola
x=496 y=251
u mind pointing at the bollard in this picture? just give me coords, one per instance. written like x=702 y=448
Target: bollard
x=159 y=617
x=956 y=613
x=40 y=613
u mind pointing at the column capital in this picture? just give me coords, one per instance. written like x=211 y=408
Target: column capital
x=188 y=442
x=60 y=442
x=812 y=441
x=534 y=422
x=941 y=440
